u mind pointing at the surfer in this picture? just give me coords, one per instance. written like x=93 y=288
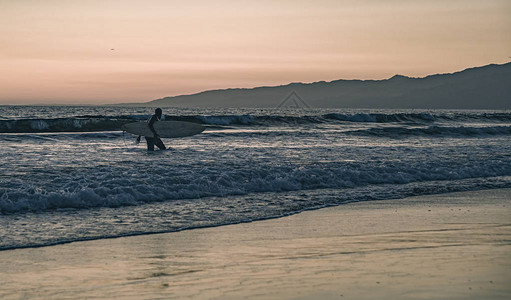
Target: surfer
x=155 y=140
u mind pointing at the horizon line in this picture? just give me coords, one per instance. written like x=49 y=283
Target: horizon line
x=251 y=88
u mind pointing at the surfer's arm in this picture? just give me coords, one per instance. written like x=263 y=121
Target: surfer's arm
x=151 y=127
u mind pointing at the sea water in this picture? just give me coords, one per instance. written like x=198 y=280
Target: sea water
x=70 y=173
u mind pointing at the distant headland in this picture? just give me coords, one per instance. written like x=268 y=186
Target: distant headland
x=486 y=87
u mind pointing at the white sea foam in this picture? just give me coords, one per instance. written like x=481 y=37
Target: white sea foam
x=131 y=185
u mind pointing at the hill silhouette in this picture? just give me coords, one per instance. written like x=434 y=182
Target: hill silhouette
x=486 y=87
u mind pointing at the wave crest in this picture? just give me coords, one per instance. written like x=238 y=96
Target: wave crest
x=88 y=123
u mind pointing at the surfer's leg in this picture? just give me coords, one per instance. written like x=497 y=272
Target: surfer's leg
x=150 y=143
x=160 y=144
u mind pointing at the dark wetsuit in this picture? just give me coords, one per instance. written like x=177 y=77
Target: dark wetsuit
x=151 y=141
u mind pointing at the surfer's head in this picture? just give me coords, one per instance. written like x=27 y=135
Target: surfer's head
x=158 y=112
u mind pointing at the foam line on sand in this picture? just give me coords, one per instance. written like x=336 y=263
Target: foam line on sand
x=451 y=246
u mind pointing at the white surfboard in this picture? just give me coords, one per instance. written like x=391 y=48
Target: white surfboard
x=165 y=129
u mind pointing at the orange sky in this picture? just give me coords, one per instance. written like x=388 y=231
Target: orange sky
x=60 y=51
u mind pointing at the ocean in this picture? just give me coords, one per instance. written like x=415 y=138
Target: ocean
x=69 y=173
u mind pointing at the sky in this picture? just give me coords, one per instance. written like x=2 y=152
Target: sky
x=105 y=51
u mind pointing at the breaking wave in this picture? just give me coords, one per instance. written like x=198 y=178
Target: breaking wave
x=62 y=125
x=461 y=131
x=102 y=187
x=88 y=123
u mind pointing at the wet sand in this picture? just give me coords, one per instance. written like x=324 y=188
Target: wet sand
x=451 y=246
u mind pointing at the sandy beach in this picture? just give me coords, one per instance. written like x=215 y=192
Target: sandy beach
x=450 y=246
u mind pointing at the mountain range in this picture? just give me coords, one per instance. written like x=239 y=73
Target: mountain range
x=486 y=87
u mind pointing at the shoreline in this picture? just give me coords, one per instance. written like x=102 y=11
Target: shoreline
x=444 y=246
x=94 y=238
